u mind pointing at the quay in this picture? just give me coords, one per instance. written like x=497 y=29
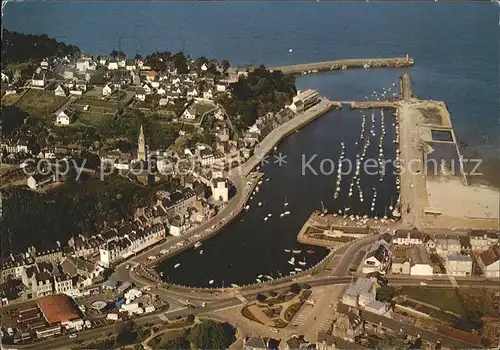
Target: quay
x=365 y=104
x=278 y=134
x=316 y=67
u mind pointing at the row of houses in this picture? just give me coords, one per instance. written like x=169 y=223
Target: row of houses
x=412 y=252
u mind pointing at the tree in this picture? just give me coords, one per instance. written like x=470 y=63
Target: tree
x=471 y=322
x=209 y=334
x=225 y=65
x=386 y=293
x=295 y=288
x=180 y=343
x=127 y=333
x=261 y=297
x=392 y=342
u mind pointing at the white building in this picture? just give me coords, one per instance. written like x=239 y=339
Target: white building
x=408 y=237
x=377 y=258
x=220 y=189
x=83 y=64
x=112 y=65
x=360 y=293
x=189 y=113
x=60 y=91
x=459 y=265
x=420 y=261
x=62 y=118
x=482 y=240
x=39 y=80
x=308 y=97
x=489 y=261
x=107 y=90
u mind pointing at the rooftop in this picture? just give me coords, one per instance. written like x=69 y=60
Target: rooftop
x=362 y=285
x=57 y=308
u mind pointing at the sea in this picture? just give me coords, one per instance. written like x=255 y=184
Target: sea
x=456 y=50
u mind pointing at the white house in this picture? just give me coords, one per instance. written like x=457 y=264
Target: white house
x=420 y=261
x=220 y=189
x=83 y=64
x=39 y=80
x=408 y=237
x=61 y=91
x=192 y=92
x=189 y=113
x=130 y=65
x=62 y=118
x=360 y=293
x=208 y=94
x=161 y=90
x=5 y=78
x=459 y=265
x=140 y=95
x=489 y=261
x=112 y=65
x=377 y=258
x=122 y=63
x=220 y=87
x=107 y=90
x=204 y=67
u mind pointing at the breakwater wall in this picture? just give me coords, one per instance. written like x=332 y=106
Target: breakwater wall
x=278 y=134
x=316 y=67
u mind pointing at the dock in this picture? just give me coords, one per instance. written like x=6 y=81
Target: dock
x=316 y=67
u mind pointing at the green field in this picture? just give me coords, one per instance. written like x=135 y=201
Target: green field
x=41 y=103
x=445 y=299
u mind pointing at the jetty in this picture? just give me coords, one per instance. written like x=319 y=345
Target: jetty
x=365 y=104
x=316 y=67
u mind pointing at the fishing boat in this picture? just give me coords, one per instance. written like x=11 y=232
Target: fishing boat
x=296 y=251
x=303 y=262
x=311 y=251
x=286 y=213
x=258 y=280
x=211 y=282
x=298 y=269
x=234 y=285
x=286 y=202
x=197 y=244
x=260 y=276
x=287 y=250
x=292 y=261
x=177 y=265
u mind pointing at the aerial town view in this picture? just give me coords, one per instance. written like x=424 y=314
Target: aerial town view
x=250 y=175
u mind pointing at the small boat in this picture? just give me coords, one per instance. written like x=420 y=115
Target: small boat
x=211 y=282
x=286 y=213
x=234 y=285
x=286 y=202
x=260 y=204
x=296 y=251
x=161 y=273
x=269 y=277
x=298 y=269
x=311 y=251
x=303 y=262
x=287 y=250
x=293 y=272
x=282 y=214
x=258 y=280
x=201 y=251
x=260 y=276
x=177 y=265
x=292 y=261
x=266 y=218
x=247 y=207
x=197 y=244
x=336 y=195
x=269 y=215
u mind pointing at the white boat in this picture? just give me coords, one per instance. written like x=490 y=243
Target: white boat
x=298 y=269
x=234 y=285
x=303 y=262
x=292 y=261
x=269 y=277
x=201 y=251
x=282 y=214
x=296 y=251
x=286 y=202
x=260 y=204
x=293 y=272
x=260 y=276
x=286 y=212
x=211 y=282
x=258 y=280
x=197 y=244
x=287 y=250
x=266 y=218
x=177 y=265
x=247 y=207
x=269 y=215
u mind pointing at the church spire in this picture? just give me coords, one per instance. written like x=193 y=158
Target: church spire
x=141 y=147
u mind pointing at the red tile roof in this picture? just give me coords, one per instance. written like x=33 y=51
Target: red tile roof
x=57 y=308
